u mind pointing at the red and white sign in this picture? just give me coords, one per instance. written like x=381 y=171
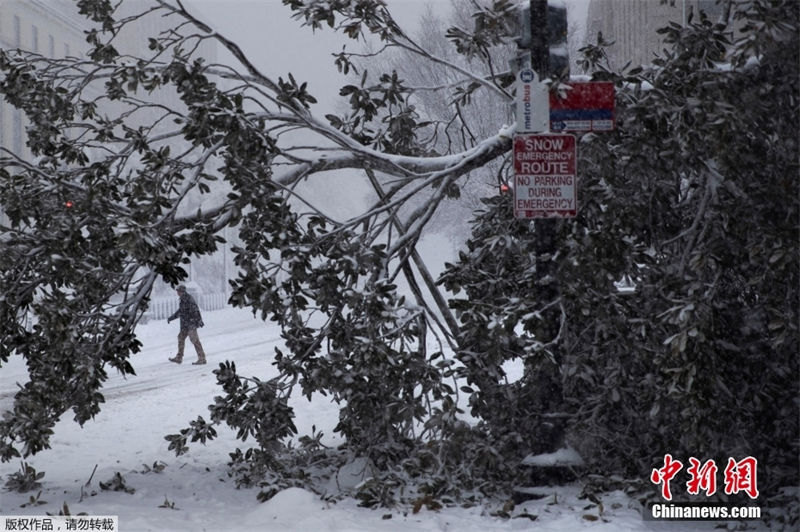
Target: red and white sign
x=583 y=107
x=545 y=176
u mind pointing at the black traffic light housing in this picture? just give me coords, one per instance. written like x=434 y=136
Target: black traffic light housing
x=556 y=37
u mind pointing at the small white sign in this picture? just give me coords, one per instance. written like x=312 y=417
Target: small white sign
x=533 y=103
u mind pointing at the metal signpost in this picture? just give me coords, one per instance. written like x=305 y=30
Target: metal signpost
x=545 y=170
x=545 y=177
x=544 y=164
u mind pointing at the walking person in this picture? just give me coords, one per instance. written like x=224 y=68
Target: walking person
x=189 y=313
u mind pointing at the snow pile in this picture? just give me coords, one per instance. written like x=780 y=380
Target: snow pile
x=566 y=456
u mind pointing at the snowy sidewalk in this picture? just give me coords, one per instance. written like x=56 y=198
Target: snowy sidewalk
x=194 y=493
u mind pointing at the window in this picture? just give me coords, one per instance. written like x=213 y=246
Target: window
x=35 y=38
x=16 y=134
x=17 y=32
x=51 y=46
x=2 y=122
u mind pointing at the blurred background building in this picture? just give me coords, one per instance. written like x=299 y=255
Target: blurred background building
x=48 y=27
x=631 y=25
x=55 y=29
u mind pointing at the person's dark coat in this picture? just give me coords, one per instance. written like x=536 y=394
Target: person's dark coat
x=188 y=312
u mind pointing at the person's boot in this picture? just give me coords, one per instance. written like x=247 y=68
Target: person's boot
x=177 y=359
x=201 y=355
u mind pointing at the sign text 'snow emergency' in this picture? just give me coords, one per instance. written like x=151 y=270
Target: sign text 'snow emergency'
x=545 y=176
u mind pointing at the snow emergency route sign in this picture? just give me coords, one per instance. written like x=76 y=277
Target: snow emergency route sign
x=545 y=178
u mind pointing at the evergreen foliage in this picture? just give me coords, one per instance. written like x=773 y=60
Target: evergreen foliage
x=679 y=278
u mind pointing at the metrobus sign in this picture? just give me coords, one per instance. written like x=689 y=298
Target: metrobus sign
x=545 y=176
x=532 y=97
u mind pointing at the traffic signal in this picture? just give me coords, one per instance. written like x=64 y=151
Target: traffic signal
x=556 y=36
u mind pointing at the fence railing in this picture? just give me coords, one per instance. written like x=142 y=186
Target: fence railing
x=163 y=307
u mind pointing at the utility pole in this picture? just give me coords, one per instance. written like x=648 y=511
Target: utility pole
x=548 y=381
x=587 y=106
x=544 y=228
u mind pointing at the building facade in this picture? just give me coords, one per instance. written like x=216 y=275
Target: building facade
x=631 y=25
x=51 y=28
x=55 y=29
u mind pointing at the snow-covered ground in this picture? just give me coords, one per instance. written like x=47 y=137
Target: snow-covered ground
x=128 y=437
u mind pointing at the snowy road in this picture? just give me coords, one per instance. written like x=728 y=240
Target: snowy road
x=128 y=437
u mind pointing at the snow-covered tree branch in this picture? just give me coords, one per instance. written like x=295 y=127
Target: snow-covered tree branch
x=675 y=324
x=114 y=166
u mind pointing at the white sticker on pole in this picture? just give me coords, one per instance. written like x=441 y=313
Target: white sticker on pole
x=545 y=177
x=533 y=103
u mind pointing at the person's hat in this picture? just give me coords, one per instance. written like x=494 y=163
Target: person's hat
x=181 y=288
